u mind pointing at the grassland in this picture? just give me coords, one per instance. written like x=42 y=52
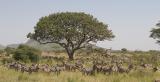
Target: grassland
x=10 y=75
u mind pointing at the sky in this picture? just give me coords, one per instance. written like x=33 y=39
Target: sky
x=130 y=20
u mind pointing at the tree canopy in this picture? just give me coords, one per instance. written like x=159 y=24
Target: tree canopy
x=71 y=30
x=155 y=33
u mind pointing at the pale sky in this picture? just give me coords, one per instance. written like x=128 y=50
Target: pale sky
x=130 y=20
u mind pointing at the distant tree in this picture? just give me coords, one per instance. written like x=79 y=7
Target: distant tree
x=71 y=30
x=155 y=33
x=124 y=50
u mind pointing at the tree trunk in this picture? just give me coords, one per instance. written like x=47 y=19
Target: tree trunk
x=70 y=54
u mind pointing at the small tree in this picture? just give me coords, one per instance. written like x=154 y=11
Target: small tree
x=71 y=30
x=155 y=33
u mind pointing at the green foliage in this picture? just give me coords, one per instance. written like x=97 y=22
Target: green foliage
x=60 y=26
x=124 y=50
x=25 y=53
x=71 y=30
x=155 y=33
x=9 y=50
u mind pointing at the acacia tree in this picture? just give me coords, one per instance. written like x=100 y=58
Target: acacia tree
x=71 y=30
x=155 y=33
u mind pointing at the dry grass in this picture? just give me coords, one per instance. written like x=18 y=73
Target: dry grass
x=8 y=75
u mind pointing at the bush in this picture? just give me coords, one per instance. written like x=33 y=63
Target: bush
x=25 y=54
x=9 y=51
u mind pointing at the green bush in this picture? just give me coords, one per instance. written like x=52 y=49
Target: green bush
x=26 y=54
x=9 y=51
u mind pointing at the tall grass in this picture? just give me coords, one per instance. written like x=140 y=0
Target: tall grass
x=8 y=75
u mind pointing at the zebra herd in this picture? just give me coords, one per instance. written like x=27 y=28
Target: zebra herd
x=66 y=66
x=96 y=67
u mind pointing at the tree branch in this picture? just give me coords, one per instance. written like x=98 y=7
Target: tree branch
x=61 y=44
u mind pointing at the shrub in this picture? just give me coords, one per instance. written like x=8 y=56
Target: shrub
x=9 y=50
x=25 y=54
